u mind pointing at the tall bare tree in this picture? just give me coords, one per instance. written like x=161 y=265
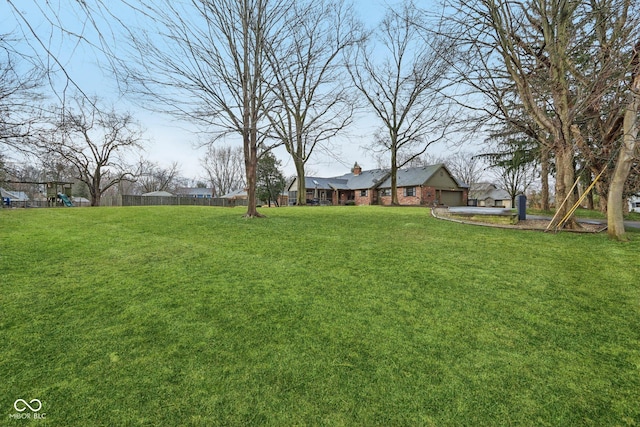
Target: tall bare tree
x=205 y=61
x=312 y=100
x=400 y=73
x=225 y=168
x=465 y=166
x=92 y=141
x=514 y=163
x=628 y=151
x=20 y=94
x=559 y=61
x=153 y=177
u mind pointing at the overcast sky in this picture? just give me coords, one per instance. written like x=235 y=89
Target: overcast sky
x=173 y=141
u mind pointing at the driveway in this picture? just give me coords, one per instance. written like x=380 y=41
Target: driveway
x=630 y=224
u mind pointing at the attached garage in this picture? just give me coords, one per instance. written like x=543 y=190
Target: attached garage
x=451 y=198
x=424 y=186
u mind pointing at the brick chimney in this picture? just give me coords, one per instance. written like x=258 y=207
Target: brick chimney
x=356 y=169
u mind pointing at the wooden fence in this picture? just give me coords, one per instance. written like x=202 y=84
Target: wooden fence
x=134 y=201
x=172 y=201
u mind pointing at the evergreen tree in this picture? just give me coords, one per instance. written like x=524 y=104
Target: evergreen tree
x=270 y=180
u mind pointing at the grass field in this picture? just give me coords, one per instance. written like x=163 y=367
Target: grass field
x=368 y=316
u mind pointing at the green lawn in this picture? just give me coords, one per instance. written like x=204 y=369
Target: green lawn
x=367 y=316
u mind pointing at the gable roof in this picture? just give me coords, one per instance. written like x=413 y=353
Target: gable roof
x=366 y=179
x=16 y=196
x=239 y=193
x=485 y=190
x=378 y=178
x=325 y=183
x=412 y=176
x=158 y=194
x=194 y=191
x=349 y=181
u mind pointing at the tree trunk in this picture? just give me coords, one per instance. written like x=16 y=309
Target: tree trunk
x=565 y=178
x=95 y=196
x=251 y=167
x=603 y=193
x=394 y=177
x=544 y=176
x=301 y=198
x=615 y=215
x=95 y=187
x=590 y=202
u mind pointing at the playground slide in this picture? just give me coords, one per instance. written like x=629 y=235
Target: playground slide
x=65 y=200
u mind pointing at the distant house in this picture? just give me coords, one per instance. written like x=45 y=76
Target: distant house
x=158 y=194
x=13 y=198
x=425 y=185
x=487 y=194
x=415 y=186
x=240 y=194
x=634 y=204
x=197 y=192
x=80 y=201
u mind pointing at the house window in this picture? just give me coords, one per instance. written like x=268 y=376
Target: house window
x=410 y=191
x=385 y=192
x=363 y=193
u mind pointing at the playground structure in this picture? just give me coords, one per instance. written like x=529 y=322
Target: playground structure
x=54 y=194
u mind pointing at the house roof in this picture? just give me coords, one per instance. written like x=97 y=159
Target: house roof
x=235 y=194
x=412 y=176
x=16 y=196
x=195 y=191
x=325 y=183
x=349 y=181
x=377 y=178
x=486 y=190
x=158 y=194
x=366 y=179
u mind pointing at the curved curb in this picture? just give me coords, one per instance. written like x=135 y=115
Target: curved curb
x=509 y=227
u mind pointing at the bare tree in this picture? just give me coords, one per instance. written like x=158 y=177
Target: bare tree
x=20 y=85
x=556 y=61
x=465 y=166
x=225 y=168
x=91 y=141
x=153 y=177
x=205 y=61
x=400 y=77
x=313 y=103
x=514 y=176
x=628 y=151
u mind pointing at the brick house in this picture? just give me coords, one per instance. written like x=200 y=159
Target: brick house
x=415 y=186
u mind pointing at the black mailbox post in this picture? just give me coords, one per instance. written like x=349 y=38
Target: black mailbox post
x=521 y=205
